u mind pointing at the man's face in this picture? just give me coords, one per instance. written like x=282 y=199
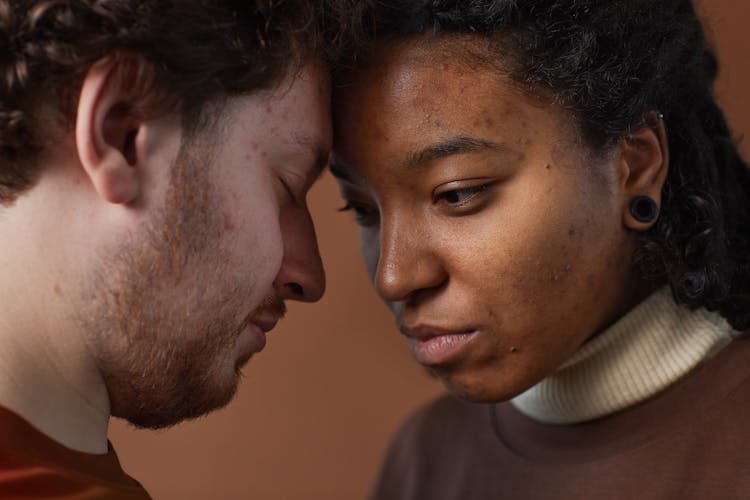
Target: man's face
x=173 y=312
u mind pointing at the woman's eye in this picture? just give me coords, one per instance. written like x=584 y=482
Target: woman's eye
x=364 y=215
x=460 y=197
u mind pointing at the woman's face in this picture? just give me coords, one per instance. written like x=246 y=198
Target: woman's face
x=493 y=235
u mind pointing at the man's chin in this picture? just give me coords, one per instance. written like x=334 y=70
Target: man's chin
x=241 y=362
x=163 y=411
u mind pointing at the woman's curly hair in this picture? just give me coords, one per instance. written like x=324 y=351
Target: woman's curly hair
x=200 y=49
x=611 y=63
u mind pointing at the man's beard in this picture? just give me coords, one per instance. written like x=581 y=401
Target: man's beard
x=164 y=312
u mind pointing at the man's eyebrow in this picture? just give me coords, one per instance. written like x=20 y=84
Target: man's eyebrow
x=322 y=159
x=454 y=146
x=321 y=156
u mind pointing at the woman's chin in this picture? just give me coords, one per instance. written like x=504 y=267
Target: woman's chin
x=476 y=388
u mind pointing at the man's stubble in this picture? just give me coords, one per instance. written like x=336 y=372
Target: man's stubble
x=164 y=312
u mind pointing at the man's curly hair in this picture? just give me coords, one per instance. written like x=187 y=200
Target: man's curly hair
x=201 y=49
x=611 y=63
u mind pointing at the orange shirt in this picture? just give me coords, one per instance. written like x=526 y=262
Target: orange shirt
x=33 y=466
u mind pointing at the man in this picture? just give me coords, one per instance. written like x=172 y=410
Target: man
x=155 y=158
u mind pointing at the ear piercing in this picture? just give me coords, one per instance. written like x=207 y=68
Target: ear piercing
x=644 y=209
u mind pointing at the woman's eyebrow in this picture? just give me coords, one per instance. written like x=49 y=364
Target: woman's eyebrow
x=457 y=145
x=454 y=146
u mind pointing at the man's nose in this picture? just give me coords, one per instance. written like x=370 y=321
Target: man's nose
x=301 y=275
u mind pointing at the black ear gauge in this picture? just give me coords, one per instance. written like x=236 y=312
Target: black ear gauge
x=644 y=209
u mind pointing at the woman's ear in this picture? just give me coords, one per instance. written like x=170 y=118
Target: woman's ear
x=107 y=126
x=642 y=168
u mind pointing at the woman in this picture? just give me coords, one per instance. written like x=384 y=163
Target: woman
x=552 y=206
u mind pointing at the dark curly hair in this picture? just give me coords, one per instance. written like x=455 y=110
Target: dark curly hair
x=610 y=63
x=201 y=49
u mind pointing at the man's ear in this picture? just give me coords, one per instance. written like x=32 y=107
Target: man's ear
x=107 y=126
x=642 y=168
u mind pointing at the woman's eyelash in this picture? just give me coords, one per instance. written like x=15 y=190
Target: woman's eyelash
x=361 y=212
x=461 y=196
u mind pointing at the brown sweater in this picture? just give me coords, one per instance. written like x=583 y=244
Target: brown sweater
x=692 y=441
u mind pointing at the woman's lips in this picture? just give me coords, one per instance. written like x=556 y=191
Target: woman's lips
x=431 y=346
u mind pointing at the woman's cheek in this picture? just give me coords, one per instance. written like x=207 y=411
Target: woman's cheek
x=369 y=243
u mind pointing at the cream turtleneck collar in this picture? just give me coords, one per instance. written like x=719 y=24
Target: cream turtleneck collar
x=651 y=347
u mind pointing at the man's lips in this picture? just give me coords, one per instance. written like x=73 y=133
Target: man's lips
x=432 y=345
x=265 y=323
x=254 y=338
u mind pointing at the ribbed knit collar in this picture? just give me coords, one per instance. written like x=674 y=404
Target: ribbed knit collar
x=651 y=347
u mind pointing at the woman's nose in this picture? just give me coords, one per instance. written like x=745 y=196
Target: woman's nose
x=407 y=264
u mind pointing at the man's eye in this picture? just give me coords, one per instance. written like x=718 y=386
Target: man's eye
x=288 y=190
x=460 y=197
x=364 y=215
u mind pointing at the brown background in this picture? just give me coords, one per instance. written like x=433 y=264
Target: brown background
x=317 y=408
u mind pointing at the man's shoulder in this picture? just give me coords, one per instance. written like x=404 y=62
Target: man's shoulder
x=33 y=466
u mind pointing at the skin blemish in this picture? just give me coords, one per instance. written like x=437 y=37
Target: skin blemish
x=514 y=350
x=548 y=166
x=228 y=222
x=571 y=232
x=57 y=289
x=269 y=109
